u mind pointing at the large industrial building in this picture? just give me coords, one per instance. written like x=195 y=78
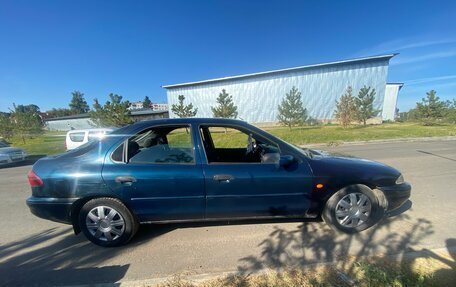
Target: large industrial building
x=258 y=95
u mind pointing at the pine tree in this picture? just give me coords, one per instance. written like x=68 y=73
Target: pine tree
x=291 y=110
x=146 y=103
x=183 y=111
x=78 y=104
x=112 y=113
x=226 y=107
x=431 y=108
x=345 y=108
x=365 y=104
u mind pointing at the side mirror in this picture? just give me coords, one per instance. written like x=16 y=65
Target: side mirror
x=286 y=160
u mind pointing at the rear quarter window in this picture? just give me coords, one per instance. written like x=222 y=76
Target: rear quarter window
x=77 y=137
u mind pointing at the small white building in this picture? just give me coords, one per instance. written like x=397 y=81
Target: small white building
x=136 y=106
x=159 y=107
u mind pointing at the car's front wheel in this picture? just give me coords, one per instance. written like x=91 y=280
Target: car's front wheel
x=353 y=209
x=107 y=222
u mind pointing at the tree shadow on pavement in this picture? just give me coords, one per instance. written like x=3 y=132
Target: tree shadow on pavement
x=57 y=257
x=313 y=243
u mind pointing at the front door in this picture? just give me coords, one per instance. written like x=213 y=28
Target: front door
x=243 y=177
x=159 y=174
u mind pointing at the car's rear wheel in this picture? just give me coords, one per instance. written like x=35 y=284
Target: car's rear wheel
x=353 y=209
x=107 y=222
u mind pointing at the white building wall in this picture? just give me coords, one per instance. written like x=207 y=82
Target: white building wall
x=257 y=97
x=390 y=101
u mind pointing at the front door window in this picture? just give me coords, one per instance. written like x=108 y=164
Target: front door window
x=231 y=145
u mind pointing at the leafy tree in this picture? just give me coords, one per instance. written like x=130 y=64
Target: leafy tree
x=26 y=121
x=112 y=113
x=6 y=126
x=78 y=104
x=183 y=111
x=226 y=107
x=431 y=108
x=291 y=110
x=147 y=103
x=365 y=104
x=345 y=108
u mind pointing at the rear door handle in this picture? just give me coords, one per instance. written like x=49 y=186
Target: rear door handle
x=125 y=179
x=223 y=177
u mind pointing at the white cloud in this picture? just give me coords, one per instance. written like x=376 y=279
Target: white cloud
x=423 y=58
x=429 y=80
x=402 y=44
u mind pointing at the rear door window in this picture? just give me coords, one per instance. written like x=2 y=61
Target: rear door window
x=164 y=145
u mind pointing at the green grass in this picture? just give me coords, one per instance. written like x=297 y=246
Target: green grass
x=54 y=142
x=46 y=144
x=332 y=133
x=377 y=272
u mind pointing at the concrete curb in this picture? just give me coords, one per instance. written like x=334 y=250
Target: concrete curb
x=400 y=140
x=199 y=278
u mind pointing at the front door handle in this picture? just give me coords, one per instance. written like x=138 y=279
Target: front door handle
x=223 y=177
x=125 y=179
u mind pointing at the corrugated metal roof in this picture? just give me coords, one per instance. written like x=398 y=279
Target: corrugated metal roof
x=87 y=115
x=342 y=62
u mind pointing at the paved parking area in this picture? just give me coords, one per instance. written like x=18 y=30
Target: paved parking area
x=38 y=252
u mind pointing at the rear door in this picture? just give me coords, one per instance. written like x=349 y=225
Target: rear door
x=159 y=173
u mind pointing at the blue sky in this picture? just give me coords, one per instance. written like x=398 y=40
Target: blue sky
x=50 y=48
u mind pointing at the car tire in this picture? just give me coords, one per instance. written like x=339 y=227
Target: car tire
x=107 y=222
x=353 y=209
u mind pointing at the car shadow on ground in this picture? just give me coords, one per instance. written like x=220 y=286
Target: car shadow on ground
x=30 y=160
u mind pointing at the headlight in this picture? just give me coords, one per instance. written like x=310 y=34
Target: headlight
x=400 y=179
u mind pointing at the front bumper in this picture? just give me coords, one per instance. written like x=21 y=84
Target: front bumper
x=54 y=209
x=396 y=195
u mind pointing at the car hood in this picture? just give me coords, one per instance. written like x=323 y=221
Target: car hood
x=350 y=168
x=4 y=150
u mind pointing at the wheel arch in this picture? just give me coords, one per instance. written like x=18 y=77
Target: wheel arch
x=334 y=189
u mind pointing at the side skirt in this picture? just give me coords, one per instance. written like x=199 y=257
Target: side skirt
x=304 y=216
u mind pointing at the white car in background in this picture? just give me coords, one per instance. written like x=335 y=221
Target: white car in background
x=10 y=154
x=76 y=138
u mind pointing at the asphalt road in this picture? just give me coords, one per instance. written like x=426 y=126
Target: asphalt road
x=38 y=252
